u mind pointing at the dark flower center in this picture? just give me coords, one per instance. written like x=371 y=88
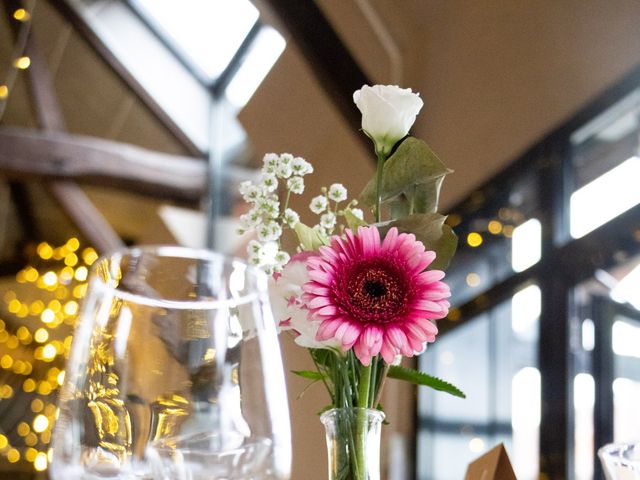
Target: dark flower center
x=374 y=292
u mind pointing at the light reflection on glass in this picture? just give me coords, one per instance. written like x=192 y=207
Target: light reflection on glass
x=526 y=245
x=525 y=421
x=583 y=400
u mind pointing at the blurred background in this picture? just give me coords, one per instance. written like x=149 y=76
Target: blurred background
x=133 y=121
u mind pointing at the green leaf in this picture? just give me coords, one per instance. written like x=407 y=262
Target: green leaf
x=353 y=222
x=413 y=168
x=431 y=230
x=420 y=378
x=309 y=374
x=309 y=239
x=321 y=356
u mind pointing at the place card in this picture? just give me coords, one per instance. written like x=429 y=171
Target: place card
x=493 y=465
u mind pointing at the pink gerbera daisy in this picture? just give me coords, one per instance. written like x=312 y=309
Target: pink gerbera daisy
x=376 y=296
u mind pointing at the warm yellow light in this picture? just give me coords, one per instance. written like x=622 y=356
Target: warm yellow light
x=71 y=260
x=23 y=429
x=14 y=305
x=507 y=231
x=4 y=336
x=19 y=367
x=22 y=333
x=66 y=274
x=37 y=405
x=29 y=385
x=474 y=239
x=61 y=378
x=51 y=410
x=80 y=290
x=50 y=279
x=22 y=63
x=4 y=91
x=495 y=227
x=31 y=440
x=89 y=256
x=36 y=307
x=44 y=388
x=45 y=437
x=6 y=361
x=28 y=368
x=73 y=244
x=71 y=307
x=13 y=455
x=473 y=279
x=48 y=315
x=30 y=274
x=6 y=391
x=40 y=463
x=21 y=15
x=40 y=423
x=62 y=292
x=45 y=251
x=48 y=352
x=3 y=442
x=13 y=342
x=81 y=273
x=30 y=454
x=41 y=335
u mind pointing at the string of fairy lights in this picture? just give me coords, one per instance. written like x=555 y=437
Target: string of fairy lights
x=38 y=314
x=19 y=61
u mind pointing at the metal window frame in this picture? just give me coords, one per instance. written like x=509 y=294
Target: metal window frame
x=564 y=263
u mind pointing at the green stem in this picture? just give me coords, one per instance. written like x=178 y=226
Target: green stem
x=379 y=174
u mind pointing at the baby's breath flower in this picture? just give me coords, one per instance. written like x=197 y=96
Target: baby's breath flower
x=244 y=187
x=284 y=170
x=270 y=161
x=282 y=258
x=254 y=247
x=358 y=213
x=285 y=159
x=269 y=232
x=268 y=253
x=269 y=206
x=250 y=219
x=337 y=192
x=296 y=185
x=251 y=193
x=269 y=182
x=328 y=221
x=318 y=204
x=291 y=217
x=301 y=167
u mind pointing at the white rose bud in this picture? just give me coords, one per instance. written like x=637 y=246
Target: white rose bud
x=388 y=112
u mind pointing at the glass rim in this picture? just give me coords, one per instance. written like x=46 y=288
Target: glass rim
x=371 y=412
x=616 y=451
x=175 y=251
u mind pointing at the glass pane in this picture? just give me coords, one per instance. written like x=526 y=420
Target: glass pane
x=498 y=236
x=605 y=165
x=207 y=32
x=493 y=359
x=606 y=317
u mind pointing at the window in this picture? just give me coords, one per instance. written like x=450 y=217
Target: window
x=544 y=330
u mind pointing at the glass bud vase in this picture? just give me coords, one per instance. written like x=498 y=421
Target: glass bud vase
x=353 y=443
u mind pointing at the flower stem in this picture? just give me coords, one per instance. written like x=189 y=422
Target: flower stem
x=379 y=174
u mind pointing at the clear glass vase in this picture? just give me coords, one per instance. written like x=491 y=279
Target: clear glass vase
x=621 y=461
x=353 y=443
x=175 y=373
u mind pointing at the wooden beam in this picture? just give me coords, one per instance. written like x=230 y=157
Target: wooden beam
x=26 y=153
x=337 y=70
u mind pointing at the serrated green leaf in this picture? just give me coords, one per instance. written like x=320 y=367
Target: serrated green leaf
x=413 y=164
x=420 y=378
x=431 y=230
x=353 y=222
x=309 y=239
x=309 y=374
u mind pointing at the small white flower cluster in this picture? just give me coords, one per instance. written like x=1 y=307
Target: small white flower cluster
x=265 y=216
x=321 y=205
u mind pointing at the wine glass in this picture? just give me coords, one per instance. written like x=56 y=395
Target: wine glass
x=175 y=373
x=621 y=461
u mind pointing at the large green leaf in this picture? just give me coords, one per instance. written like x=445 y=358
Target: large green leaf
x=414 y=169
x=431 y=230
x=420 y=378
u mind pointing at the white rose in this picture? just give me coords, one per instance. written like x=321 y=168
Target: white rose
x=288 y=308
x=388 y=112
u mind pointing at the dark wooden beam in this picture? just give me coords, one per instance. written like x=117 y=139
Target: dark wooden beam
x=337 y=70
x=26 y=153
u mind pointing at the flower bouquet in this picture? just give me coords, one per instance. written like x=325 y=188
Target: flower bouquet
x=359 y=295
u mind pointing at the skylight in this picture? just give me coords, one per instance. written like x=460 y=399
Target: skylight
x=207 y=33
